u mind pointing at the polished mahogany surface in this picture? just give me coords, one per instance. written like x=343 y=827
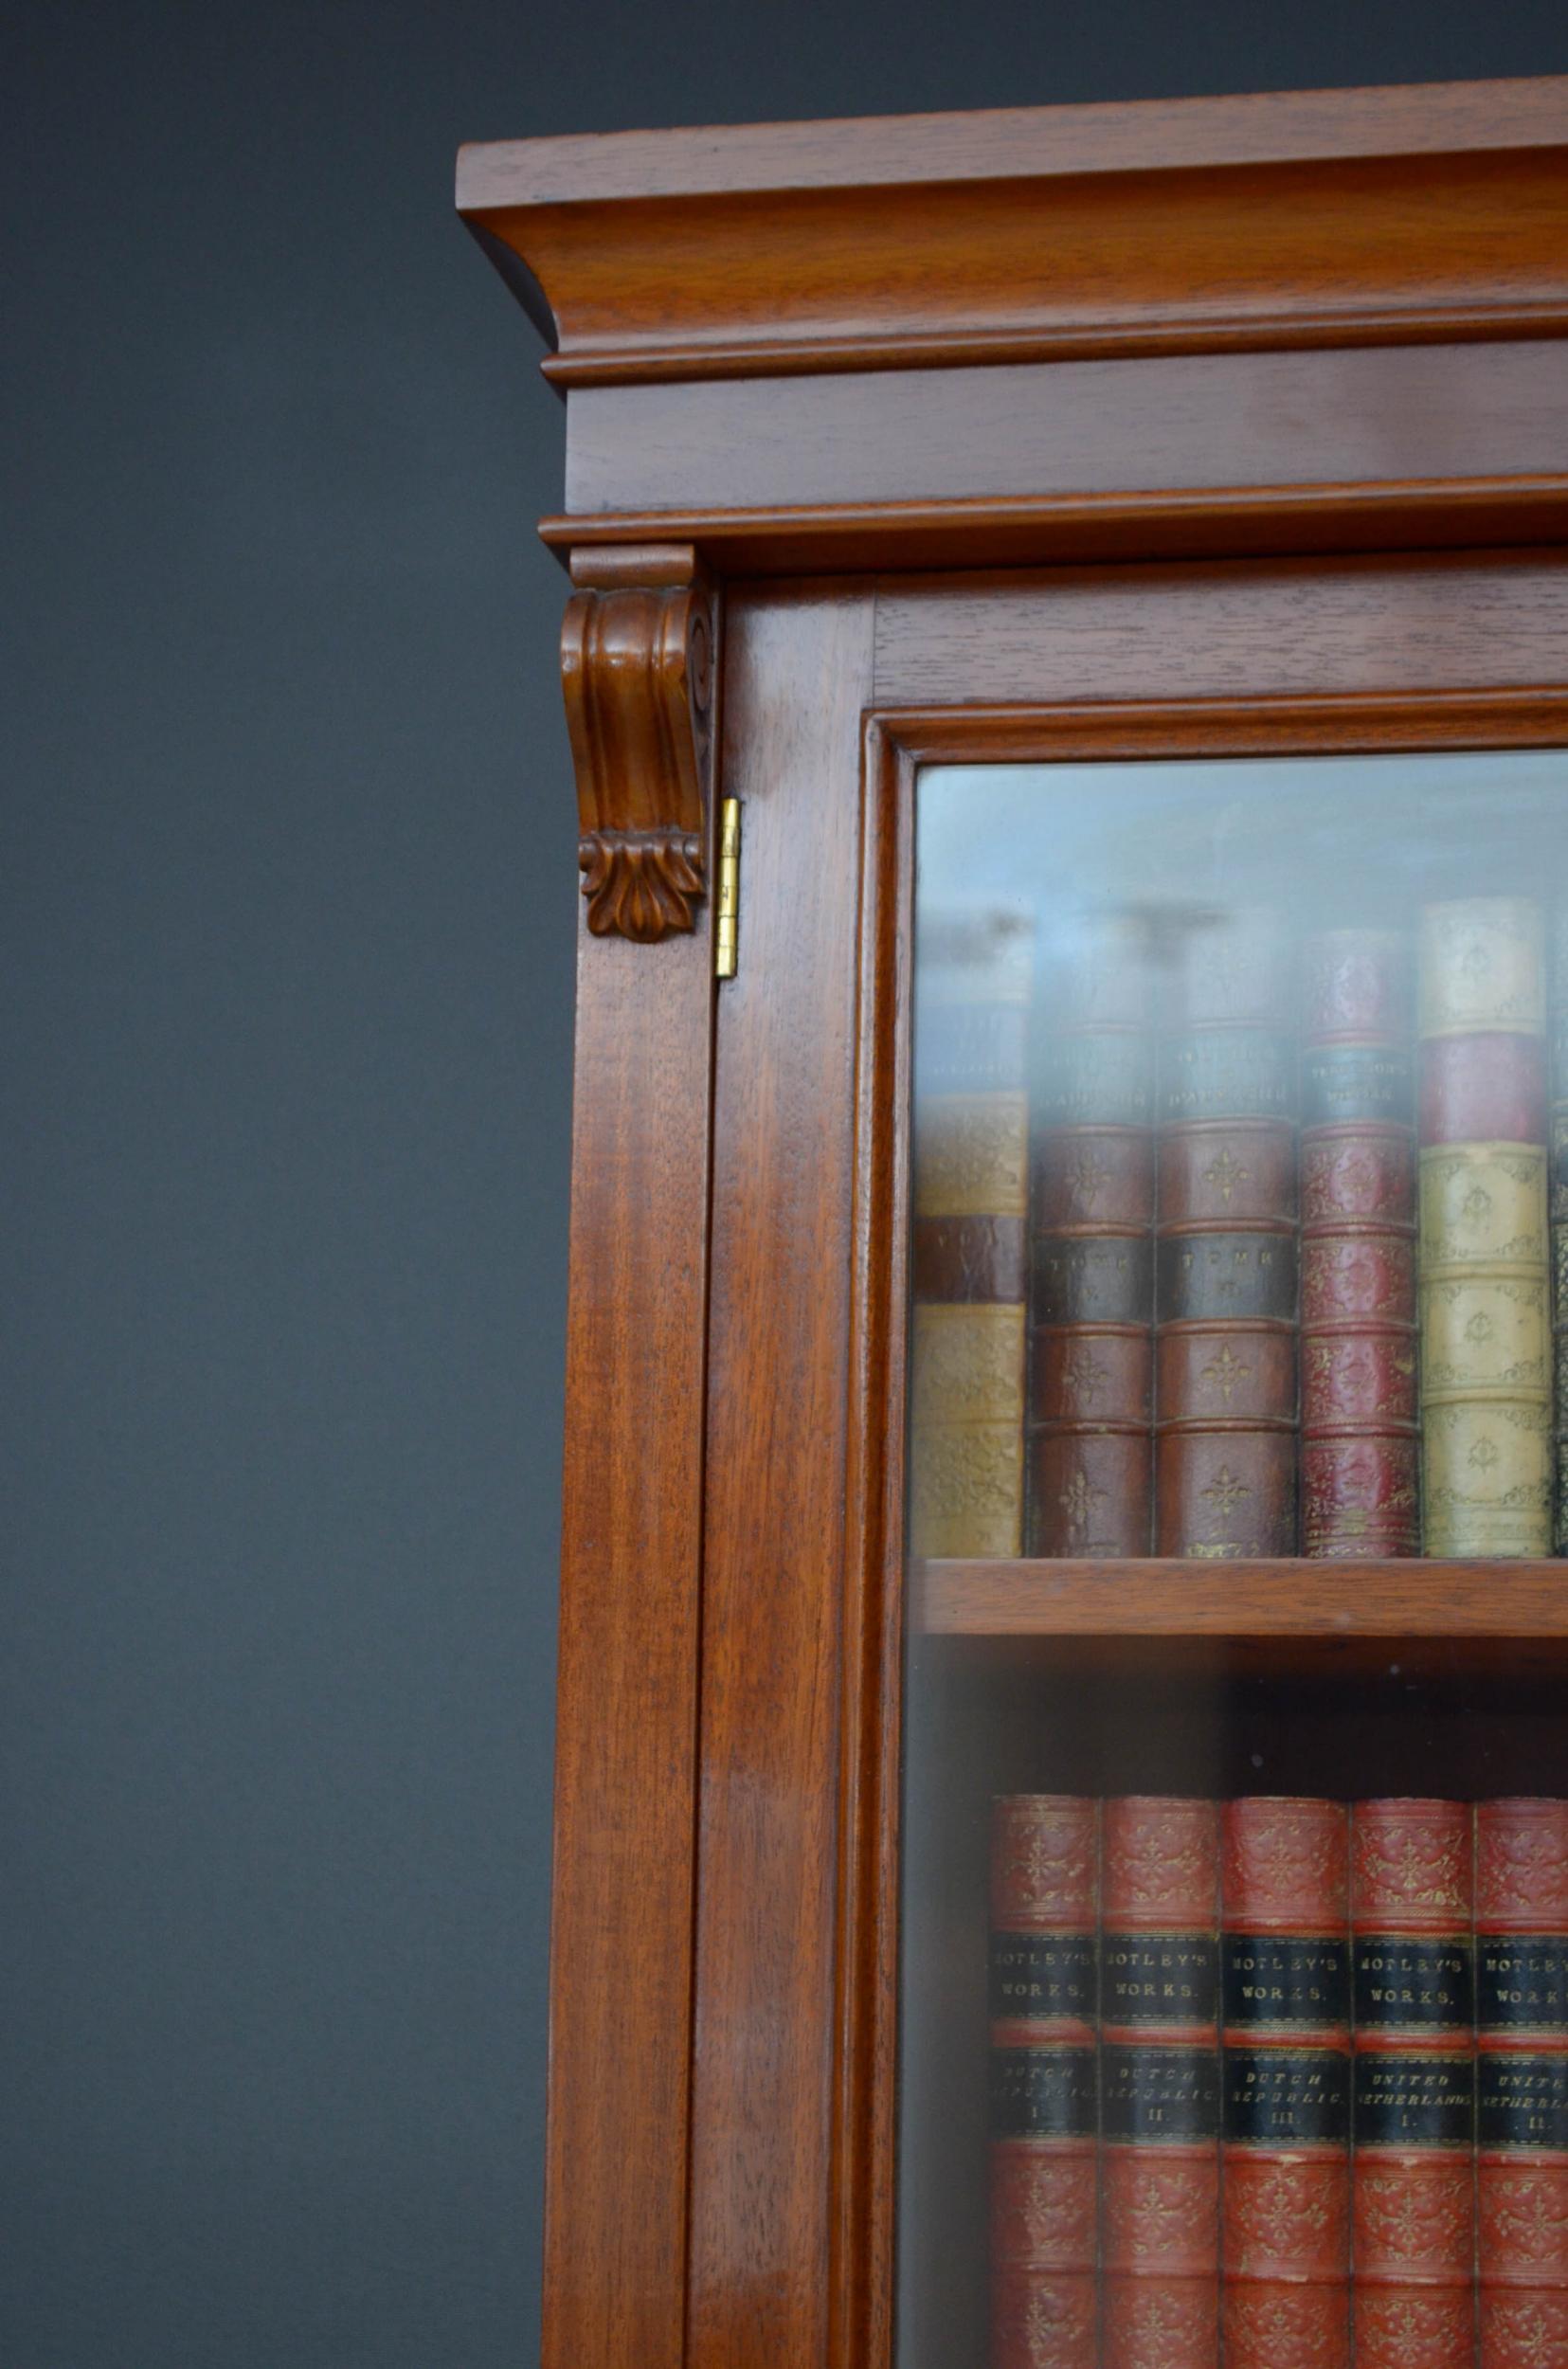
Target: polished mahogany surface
x=1310 y=218
x=1230 y=425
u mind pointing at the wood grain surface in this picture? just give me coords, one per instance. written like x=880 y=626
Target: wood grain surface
x=1313 y=219
x=1503 y=716
x=1069 y=431
x=765 y=2085
x=1401 y=1597
x=1301 y=628
x=1010 y=143
x=862 y=2233
x=1005 y=532
x=627 y=1732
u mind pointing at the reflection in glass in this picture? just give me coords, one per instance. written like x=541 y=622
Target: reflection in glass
x=1230 y=1159
x=1237 y=1091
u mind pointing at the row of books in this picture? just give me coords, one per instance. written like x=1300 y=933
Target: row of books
x=1225 y=1245
x=1279 y=2082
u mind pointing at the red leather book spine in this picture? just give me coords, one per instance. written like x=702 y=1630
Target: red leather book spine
x=1159 y=2084
x=1414 y=2110
x=1225 y=1257
x=1522 y=2036
x=1091 y=1216
x=1285 y=1983
x=1490 y=1087
x=1044 y=2081
x=1360 y=1482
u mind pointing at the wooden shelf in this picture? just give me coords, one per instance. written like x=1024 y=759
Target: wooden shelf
x=1288 y=1601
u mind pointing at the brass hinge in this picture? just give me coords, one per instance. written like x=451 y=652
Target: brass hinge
x=727 y=910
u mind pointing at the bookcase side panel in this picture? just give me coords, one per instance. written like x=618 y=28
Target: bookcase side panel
x=625 y=1811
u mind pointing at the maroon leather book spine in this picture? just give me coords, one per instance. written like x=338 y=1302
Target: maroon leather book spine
x=1225 y=1260
x=1360 y=1427
x=1159 y=2084
x=1044 y=2010
x=1489 y=1087
x=1092 y=1215
x=1285 y=2103
x=1522 y=2037
x=1414 y=2111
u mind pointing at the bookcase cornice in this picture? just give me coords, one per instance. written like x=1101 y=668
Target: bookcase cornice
x=1434 y=212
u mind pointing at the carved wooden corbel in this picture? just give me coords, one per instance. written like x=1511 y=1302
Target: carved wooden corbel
x=637 y=671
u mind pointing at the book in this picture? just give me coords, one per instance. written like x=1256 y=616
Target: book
x=1159 y=2083
x=967 y=1356
x=1485 y=1318
x=1414 y=2084
x=1225 y=1257
x=1092 y=1216
x=1285 y=1989
x=1044 y=2087
x=1557 y=1188
x=1360 y=1481
x=1521 y=2040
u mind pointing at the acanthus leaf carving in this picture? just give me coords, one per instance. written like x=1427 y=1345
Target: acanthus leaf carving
x=640 y=884
x=638 y=672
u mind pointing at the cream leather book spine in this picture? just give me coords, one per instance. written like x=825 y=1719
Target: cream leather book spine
x=969 y=1235
x=1485 y=1334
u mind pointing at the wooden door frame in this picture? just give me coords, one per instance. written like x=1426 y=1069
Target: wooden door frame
x=840 y=2313
x=724 y=2018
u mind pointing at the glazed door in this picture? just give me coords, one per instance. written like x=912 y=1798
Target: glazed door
x=1082 y=1537
x=1230 y=1444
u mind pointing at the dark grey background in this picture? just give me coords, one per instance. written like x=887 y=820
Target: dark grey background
x=290 y=892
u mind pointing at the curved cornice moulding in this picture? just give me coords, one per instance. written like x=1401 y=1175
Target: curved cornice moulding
x=1438 y=211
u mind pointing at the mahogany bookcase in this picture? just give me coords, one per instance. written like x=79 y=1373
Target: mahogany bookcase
x=1219 y=428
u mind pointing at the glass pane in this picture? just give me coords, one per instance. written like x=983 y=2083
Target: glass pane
x=1235 y=2014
